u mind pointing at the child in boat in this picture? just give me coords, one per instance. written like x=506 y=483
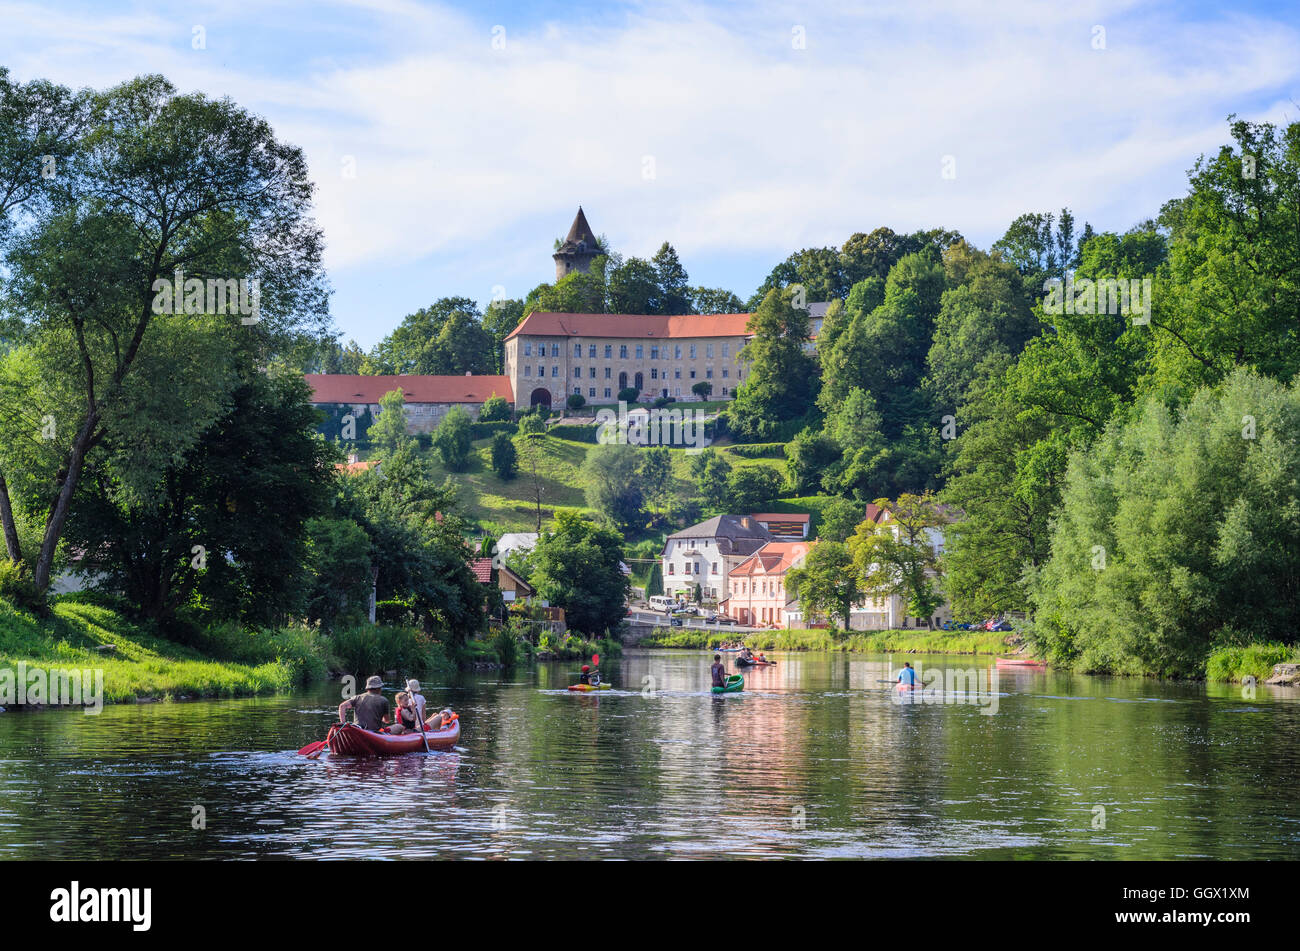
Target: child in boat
x=406 y=720
x=585 y=676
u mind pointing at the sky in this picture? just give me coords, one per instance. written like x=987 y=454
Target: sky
x=452 y=143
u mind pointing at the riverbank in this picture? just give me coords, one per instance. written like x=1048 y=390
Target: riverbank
x=225 y=660
x=875 y=642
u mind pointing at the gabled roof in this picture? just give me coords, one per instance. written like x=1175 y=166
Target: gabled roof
x=345 y=388
x=545 y=323
x=774 y=558
x=482 y=569
x=735 y=535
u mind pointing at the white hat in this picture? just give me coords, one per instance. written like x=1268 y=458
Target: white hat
x=413 y=685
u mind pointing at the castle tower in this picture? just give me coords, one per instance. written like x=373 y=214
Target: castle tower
x=579 y=249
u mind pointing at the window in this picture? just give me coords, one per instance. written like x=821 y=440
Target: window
x=577 y=391
x=609 y=350
x=577 y=350
x=555 y=349
x=678 y=351
x=541 y=370
x=692 y=351
x=607 y=392
x=528 y=370
x=555 y=371
x=708 y=374
x=677 y=375
x=591 y=391
x=622 y=351
x=715 y=567
x=640 y=351
x=528 y=348
x=726 y=350
x=692 y=374
x=577 y=373
x=724 y=389
x=726 y=371
x=654 y=373
x=708 y=351
x=607 y=373
x=591 y=352
x=672 y=569
x=654 y=353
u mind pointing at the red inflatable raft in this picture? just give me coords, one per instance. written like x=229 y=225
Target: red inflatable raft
x=351 y=740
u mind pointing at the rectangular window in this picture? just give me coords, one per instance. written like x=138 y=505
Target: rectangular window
x=593 y=373
x=672 y=569
x=724 y=391
x=715 y=567
x=708 y=374
x=640 y=351
x=622 y=351
x=726 y=350
x=555 y=349
x=708 y=351
x=591 y=352
x=726 y=371
x=577 y=350
x=607 y=373
x=609 y=350
x=678 y=351
x=528 y=348
x=591 y=391
x=555 y=371
x=654 y=353
x=528 y=370
x=677 y=375
x=692 y=351
x=654 y=373
x=692 y=374
x=607 y=392
x=577 y=373
x=577 y=391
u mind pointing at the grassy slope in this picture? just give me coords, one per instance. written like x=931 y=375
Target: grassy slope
x=141 y=665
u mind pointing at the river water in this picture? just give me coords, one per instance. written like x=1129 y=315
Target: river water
x=815 y=758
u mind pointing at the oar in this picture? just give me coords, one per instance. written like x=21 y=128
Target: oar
x=312 y=748
x=419 y=715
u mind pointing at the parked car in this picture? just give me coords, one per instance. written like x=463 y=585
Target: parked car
x=1004 y=626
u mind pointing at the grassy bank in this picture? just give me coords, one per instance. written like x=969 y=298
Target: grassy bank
x=1234 y=664
x=223 y=661
x=880 y=642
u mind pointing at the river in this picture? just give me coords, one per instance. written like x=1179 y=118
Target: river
x=815 y=758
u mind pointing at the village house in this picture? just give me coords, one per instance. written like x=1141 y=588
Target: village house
x=705 y=554
x=427 y=398
x=757 y=594
x=784 y=527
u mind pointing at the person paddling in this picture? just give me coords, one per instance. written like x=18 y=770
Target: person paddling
x=419 y=705
x=370 y=709
x=585 y=676
x=907 y=676
x=718 y=671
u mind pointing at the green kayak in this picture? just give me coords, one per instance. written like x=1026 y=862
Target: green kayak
x=734 y=683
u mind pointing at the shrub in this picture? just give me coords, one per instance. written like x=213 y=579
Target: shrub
x=576 y=401
x=629 y=394
x=367 y=649
x=505 y=460
x=16 y=585
x=495 y=409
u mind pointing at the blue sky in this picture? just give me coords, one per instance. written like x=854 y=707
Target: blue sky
x=738 y=131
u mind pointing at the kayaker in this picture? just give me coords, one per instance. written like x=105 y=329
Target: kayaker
x=718 y=671
x=370 y=709
x=585 y=676
x=907 y=675
x=746 y=654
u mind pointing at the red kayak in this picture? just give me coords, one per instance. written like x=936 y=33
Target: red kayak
x=1020 y=662
x=351 y=740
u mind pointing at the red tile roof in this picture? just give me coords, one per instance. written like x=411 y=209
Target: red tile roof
x=342 y=388
x=650 y=326
x=482 y=568
x=774 y=558
x=778 y=517
x=352 y=468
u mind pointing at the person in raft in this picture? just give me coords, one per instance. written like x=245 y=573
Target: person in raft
x=370 y=709
x=907 y=676
x=746 y=653
x=418 y=706
x=718 y=671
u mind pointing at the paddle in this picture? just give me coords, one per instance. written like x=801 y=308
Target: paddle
x=312 y=747
x=419 y=715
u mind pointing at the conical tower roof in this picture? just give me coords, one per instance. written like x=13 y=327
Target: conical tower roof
x=580 y=231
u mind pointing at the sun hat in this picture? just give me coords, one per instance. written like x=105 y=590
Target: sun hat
x=413 y=686
x=585 y=668
x=374 y=683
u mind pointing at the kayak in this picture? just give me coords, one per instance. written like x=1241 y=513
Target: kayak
x=351 y=740
x=734 y=683
x=907 y=688
x=1020 y=662
x=727 y=650
x=583 y=688
x=741 y=662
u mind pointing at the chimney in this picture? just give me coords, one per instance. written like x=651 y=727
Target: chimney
x=747 y=522
x=467 y=373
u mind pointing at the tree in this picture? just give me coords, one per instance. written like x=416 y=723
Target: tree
x=896 y=556
x=839 y=520
x=629 y=394
x=501 y=317
x=613 y=488
x=505 y=460
x=655 y=474
x=781 y=381
x=826 y=582
x=338 y=567
x=1176 y=534
x=445 y=337
x=711 y=473
x=578 y=567
x=634 y=288
x=453 y=439
x=674 y=289
x=714 y=300
x=164 y=182
x=575 y=401
x=389 y=431
x=702 y=389
x=495 y=410
x=748 y=487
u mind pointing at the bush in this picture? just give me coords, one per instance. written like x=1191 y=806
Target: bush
x=759 y=450
x=1234 y=664
x=495 y=409
x=367 y=649
x=16 y=585
x=505 y=460
x=629 y=394
x=453 y=439
x=482 y=430
x=576 y=401
x=506 y=645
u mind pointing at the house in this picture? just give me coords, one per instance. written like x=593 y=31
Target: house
x=883 y=612
x=756 y=593
x=784 y=527
x=705 y=554
x=428 y=398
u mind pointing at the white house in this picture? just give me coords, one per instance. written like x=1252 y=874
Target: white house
x=704 y=554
